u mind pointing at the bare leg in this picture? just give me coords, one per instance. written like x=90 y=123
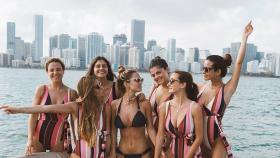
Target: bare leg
x=219 y=150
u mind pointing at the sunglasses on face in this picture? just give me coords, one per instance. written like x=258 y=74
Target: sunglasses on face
x=171 y=81
x=138 y=80
x=207 y=69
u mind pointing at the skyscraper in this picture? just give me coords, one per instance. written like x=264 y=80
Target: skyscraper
x=11 y=37
x=120 y=37
x=171 y=49
x=53 y=44
x=94 y=46
x=38 y=22
x=250 y=54
x=138 y=38
x=63 y=41
x=150 y=44
x=193 y=55
x=81 y=42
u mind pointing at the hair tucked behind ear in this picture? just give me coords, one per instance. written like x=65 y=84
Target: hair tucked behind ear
x=191 y=88
x=221 y=63
x=124 y=75
x=90 y=110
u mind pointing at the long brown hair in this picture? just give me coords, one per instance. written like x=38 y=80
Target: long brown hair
x=110 y=76
x=90 y=110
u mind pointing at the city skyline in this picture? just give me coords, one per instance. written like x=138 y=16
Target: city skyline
x=193 y=24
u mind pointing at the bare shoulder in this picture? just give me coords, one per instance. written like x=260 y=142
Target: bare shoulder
x=115 y=103
x=196 y=107
x=145 y=103
x=201 y=85
x=40 y=90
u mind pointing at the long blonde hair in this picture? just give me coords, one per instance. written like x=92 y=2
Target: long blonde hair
x=91 y=108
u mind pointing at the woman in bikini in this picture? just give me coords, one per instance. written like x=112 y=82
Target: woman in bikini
x=133 y=117
x=181 y=117
x=215 y=95
x=89 y=119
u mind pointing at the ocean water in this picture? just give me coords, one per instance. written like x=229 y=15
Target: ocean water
x=251 y=121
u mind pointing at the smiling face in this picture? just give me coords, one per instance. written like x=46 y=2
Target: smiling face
x=134 y=83
x=101 y=69
x=55 y=72
x=174 y=84
x=160 y=75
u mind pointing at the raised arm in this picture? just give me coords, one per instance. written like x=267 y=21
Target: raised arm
x=161 y=131
x=150 y=127
x=198 y=126
x=233 y=82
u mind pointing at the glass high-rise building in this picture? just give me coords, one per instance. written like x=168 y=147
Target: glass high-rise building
x=138 y=38
x=171 y=49
x=94 y=46
x=121 y=37
x=150 y=44
x=53 y=44
x=11 y=36
x=38 y=42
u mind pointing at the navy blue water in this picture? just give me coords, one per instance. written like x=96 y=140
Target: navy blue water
x=251 y=122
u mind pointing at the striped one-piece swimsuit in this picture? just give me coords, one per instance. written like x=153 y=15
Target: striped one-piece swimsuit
x=183 y=135
x=51 y=128
x=212 y=120
x=79 y=146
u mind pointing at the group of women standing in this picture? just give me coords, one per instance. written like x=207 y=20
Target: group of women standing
x=179 y=119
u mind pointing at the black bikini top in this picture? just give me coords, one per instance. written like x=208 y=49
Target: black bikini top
x=139 y=119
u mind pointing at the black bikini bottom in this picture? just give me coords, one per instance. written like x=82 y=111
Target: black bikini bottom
x=133 y=155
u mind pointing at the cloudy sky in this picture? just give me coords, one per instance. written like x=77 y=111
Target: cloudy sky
x=207 y=24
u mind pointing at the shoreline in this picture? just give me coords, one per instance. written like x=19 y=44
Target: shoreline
x=145 y=71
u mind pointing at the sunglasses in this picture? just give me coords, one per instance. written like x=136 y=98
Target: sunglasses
x=137 y=80
x=172 y=81
x=207 y=69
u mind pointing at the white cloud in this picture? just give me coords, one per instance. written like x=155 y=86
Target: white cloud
x=206 y=24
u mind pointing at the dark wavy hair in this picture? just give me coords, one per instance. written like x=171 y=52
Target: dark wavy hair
x=110 y=76
x=158 y=61
x=191 y=88
x=221 y=63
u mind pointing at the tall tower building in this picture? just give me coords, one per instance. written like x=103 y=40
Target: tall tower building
x=150 y=44
x=122 y=38
x=171 y=49
x=11 y=37
x=94 y=46
x=81 y=44
x=138 y=38
x=53 y=44
x=38 y=23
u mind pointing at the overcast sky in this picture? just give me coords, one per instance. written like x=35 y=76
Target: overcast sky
x=207 y=24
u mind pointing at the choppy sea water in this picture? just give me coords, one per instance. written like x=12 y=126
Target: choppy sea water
x=251 y=122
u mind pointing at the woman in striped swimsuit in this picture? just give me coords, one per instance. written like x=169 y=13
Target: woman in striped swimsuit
x=46 y=131
x=88 y=119
x=159 y=93
x=214 y=97
x=181 y=117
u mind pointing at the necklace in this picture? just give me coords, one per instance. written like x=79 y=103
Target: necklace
x=177 y=108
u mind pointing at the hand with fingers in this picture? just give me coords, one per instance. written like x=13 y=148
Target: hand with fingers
x=248 y=30
x=8 y=109
x=29 y=148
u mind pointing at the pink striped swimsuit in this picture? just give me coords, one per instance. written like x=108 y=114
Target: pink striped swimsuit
x=183 y=135
x=212 y=121
x=51 y=127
